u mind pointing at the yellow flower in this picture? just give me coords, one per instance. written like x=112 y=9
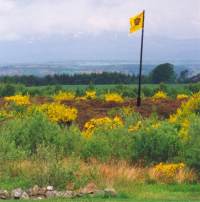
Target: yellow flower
x=104 y=122
x=160 y=95
x=182 y=96
x=184 y=131
x=168 y=171
x=172 y=118
x=58 y=112
x=156 y=125
x=135 y=127
x=186 y=108
x=128 y=110
x=90 y=95
x=18 y=99
x=62 y=96
x=113 y=97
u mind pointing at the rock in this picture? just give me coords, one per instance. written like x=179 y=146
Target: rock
x=16 y=193
x=50 y=188
x=33 y=191
x=25 y=196
x=99 y=193
x=110 y=192
x=90 y=188
x=50 y=194
x=64 y=194
x=36 y=191
x=4 y=194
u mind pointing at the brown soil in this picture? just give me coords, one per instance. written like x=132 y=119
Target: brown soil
x=96 y=108
x=89 y=109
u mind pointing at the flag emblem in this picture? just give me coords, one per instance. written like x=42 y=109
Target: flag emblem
x=136 y=22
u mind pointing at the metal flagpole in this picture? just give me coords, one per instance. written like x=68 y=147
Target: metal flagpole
x=140 y=72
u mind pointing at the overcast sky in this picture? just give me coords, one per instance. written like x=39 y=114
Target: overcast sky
x=25 y=25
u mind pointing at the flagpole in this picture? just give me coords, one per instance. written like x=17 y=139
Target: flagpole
x=141 y=57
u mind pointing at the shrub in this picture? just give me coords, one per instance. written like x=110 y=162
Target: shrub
x=29 y=131
x=192 y=147
x=159 y=143
x=7 y=89
x=113 y=97
x=47 y=168
x=58 y=113
x=62 y=96
x=160 y=95
x=18 y=99
x=107 y=145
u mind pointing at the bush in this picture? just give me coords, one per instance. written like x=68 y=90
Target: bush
x=48 y=168
x=106 y=145
x=7 y=90
x=154 y=145
x=192 y=148
x=29 y=131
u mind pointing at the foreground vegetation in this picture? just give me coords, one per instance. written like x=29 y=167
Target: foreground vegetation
x=42 y=143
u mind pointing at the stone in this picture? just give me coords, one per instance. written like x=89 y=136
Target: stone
x=90 y=188
x=50 y=194
x=16 y=193
x=64 y=194
x=99 y=193
x=110 y=192
x=4 y=194
x=34 y=190
x=37 y=191
x=50 y=188
x=24 y=196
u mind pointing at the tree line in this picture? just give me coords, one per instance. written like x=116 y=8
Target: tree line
x=162 y=73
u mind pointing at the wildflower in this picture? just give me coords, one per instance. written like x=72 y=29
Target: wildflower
x=156 y=125
x=168 y=171
x=182 y=96
x=62 y=96
x=104 y=122
x=184 y=131
x=113 y=97
x=18 y=99
x=160 y=95
x=135 y=127
x=59 y=112
x=90 y=95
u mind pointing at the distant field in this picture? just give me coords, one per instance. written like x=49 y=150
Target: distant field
x=111 y=86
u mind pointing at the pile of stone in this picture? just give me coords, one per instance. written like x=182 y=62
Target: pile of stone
x=49 y=192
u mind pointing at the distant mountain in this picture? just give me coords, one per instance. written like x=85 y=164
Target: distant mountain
x=195 y=79
x=98 y=66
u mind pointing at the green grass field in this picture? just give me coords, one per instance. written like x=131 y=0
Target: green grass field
x=146 y=193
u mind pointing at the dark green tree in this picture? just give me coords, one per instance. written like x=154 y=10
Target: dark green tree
x=163 y=73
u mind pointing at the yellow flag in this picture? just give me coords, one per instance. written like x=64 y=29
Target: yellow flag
x=137 y=22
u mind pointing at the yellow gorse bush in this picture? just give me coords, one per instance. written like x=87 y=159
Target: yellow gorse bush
x=184 y=131
x=113 y=97
x=62 y=96
x=135 y=127
x=167 y=172
x=58 y=112
x=186 y=108
x=160 y=95
x=90 y=94
x=182 y=96
x=18 y=99
x=104 y=122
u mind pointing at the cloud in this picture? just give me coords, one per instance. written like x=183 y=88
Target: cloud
x=37 y=19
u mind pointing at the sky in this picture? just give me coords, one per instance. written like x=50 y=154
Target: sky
x=54 y=30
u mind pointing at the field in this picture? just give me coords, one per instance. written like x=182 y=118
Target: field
x=72 y=136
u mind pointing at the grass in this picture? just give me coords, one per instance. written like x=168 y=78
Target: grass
x=131 y=192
